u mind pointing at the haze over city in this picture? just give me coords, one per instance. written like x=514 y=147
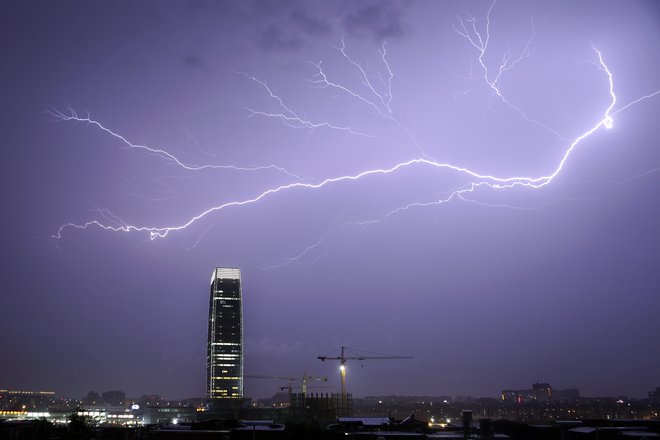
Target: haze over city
x=472 y=184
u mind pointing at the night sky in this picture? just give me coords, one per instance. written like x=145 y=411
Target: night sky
x=495 y=288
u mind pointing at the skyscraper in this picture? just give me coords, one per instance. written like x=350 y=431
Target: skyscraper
x=224 y=361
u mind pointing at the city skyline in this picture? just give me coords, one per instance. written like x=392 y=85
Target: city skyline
x=472 y=184
x=539 y=392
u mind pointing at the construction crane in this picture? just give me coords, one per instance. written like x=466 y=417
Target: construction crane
x=303 y=380
x=342 y=358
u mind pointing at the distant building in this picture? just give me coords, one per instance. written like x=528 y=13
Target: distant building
x=114 y=398
x=518 y=396
x=169 y=415
x=319 y=405
x=542 y=392
x=510 y=396
x=92 y=398
x=566 y=394
x=151 y=400
x=225 y=337
x=25 y=400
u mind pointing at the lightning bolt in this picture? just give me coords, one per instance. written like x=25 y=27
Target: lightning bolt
x=291 y=119
x=73 y=116
x=504 y=183
x=483 y=179
x=636 y=101
x=523 y=208
x=289 y=260
x=381 y=103
x=386 y=97
x=455 y=193
x=468 y=30
x=639 y=176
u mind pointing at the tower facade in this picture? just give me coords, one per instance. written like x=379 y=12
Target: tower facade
x=224 y=360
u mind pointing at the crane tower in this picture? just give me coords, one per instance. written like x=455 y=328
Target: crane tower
x=342 y=358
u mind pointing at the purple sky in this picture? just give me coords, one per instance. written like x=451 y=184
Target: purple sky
x=496 y=288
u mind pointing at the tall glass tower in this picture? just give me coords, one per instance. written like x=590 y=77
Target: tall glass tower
x=224 y=361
